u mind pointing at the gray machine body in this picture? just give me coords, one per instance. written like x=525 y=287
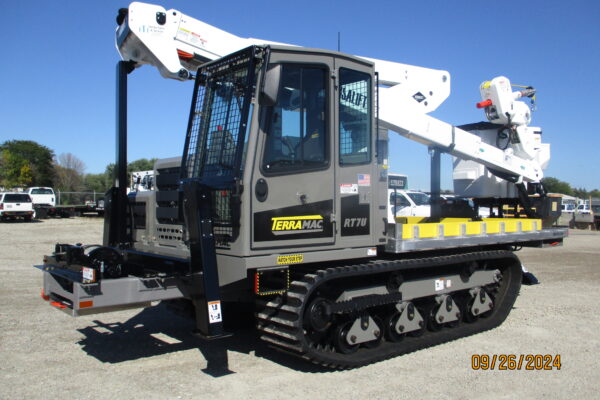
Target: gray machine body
x=356 y=193
x=335 y=210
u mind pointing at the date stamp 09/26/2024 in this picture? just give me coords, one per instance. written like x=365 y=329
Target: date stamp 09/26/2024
x=516 y=362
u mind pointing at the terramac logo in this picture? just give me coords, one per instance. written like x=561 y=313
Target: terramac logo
x=291 y=225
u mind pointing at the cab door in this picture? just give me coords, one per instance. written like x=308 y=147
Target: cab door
x=357 y=174
x=293 y=179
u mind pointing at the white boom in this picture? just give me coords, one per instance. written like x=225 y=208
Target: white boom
x=177 y=44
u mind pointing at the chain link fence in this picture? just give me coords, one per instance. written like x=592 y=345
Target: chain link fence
x=77 y=198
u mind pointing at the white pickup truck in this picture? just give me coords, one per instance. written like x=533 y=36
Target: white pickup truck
x=42 y=196
x=13 y=205
x=408 y=203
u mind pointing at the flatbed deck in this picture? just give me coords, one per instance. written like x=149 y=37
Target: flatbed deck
x=416 y=234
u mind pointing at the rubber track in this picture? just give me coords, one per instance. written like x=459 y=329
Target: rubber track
x=280 y=322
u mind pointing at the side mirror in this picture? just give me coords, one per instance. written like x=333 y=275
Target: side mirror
x=270 y=85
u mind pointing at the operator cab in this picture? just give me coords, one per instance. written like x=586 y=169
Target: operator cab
x=283 y=139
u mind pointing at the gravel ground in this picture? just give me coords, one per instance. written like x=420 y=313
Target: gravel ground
x=151 y=354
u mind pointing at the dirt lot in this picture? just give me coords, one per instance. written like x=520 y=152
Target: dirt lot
x=151 y=354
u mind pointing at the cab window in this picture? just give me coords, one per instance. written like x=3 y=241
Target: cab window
x=297 y=137
x=355 y=117
x=17 y=198
x=42 y=191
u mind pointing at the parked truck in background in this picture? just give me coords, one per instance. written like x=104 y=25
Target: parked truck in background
x=42 y=196
x=403 y=202
x=408 y=203
x=44 y=201
x=15 y=205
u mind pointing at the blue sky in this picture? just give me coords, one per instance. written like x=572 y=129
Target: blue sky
x=58 y=70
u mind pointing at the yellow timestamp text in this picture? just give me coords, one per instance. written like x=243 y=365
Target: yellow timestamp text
x=516 y=362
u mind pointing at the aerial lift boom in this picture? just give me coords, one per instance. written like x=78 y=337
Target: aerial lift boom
x=176 y=44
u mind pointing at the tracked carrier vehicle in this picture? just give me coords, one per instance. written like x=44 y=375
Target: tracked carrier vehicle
x=280 y=201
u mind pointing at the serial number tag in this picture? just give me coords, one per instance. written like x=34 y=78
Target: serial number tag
x=214 y=312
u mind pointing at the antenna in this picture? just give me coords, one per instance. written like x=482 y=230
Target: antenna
x=339 y=41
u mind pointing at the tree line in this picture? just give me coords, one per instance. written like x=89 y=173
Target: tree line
x=25 y=163
x=554 y=185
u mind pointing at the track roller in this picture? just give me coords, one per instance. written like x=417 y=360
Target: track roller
x=479 y=304
x=444 y=313
x=406 y=319
x=364 y=330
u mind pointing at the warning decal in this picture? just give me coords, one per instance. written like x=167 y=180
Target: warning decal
x=348 y=188
x=88 y=274
x=214 y=312
x=439 y=284
x=290 y=259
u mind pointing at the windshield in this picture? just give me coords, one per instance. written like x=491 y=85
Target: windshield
x=420 y=199
x=219 y=121
x=297 y=136
x=596 y=209
x=17 y=198
x=42 y=191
